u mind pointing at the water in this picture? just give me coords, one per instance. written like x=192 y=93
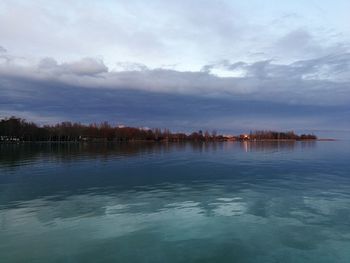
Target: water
x=220 y=202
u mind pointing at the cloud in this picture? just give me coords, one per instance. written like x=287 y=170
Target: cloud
x=321 y=81
x=2 y=50
x=296 y=39
x=331 y=67
x=299 y=44
x=188 y=34
x=85 y=66
x=45 y=100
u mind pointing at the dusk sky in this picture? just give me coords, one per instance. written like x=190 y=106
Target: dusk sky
x=185 y=65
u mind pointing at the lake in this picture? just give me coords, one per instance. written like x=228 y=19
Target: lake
x=176 y=202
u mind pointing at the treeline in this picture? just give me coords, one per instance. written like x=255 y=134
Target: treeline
x=273 y=135
x=17 y=129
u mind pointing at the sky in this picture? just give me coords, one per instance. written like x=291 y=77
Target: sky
x=232 y=66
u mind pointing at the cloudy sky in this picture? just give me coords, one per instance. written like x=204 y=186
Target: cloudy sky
x=226 y=65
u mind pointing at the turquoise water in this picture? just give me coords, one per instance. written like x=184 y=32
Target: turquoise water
x=220 y=202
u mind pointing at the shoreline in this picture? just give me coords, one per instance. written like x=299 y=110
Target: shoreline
x=168 y=141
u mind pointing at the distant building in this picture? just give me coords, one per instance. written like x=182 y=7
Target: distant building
x=230 y=137
x=244 y=137
x=9 y=138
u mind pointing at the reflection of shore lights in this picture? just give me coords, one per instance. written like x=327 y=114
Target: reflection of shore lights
x=245 y=145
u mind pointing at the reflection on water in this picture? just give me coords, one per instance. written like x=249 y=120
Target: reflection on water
x=21 y=154
x=270 y=146
x=221 y=202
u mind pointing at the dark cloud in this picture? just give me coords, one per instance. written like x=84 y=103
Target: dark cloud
x=46 y=101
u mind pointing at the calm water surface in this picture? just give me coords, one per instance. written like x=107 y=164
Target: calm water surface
x=222 y=202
